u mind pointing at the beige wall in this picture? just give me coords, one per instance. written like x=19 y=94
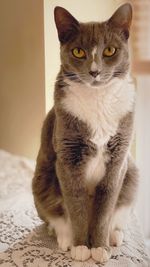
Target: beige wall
x=22 y=95
x=85 y=10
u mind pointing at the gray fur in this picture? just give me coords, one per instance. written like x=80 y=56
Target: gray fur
x=58 y=185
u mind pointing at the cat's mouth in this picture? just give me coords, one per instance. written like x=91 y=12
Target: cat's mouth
x=96 y=83
x=100 y=83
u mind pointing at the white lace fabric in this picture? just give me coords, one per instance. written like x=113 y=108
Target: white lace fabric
x=24 y=241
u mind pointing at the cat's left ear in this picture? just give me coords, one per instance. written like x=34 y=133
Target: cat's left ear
x=122 y=18
x=67 y=26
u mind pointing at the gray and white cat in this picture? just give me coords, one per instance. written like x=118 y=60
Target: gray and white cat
x=85 y=180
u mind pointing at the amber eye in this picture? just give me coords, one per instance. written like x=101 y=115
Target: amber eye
x=109 y=51
x=78 y=52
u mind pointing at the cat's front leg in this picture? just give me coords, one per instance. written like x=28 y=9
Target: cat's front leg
x=105 y=201
x=76 y=204
x=100 y=225
x=107 y=191
x=106 y=196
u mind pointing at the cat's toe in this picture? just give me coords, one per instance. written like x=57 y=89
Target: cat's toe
x=101 y=254
x=64 y=243
x=80 y=253
x=116 y=238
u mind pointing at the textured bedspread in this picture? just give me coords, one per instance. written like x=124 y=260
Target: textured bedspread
x=23 y=237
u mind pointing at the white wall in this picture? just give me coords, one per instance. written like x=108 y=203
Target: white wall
x=85 y=10
x=143 y=151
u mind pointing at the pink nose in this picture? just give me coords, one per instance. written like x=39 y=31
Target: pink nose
x=94 y=73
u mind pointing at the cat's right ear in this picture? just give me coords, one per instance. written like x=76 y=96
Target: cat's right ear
x=67 y=26
x=122 y=18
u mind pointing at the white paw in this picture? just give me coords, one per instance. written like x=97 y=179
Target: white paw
x=116 y=238
x=100 y=254
x=63 y=230
x=64 y=242
x=80 y=253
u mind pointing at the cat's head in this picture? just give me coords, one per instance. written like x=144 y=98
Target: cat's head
x=94 y=53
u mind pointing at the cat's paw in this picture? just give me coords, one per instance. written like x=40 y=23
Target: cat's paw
x=64 y=242
x=80 y=253
x=116 y=238
x=101 y=254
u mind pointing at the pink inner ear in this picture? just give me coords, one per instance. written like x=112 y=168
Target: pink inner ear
x=122 y=17
x=66 y=24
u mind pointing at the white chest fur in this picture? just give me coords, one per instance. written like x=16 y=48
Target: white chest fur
x=101 y=108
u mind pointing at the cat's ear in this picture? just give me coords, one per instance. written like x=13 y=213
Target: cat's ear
x=122 y=18
x=67 y=26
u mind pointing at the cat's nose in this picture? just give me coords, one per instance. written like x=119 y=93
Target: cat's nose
x=94 y=73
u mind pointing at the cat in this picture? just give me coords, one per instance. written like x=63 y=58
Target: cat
x=85 y=181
